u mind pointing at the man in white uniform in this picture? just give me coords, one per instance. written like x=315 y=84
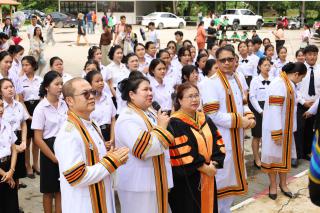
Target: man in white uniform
x=222 y=98
x=84 y=164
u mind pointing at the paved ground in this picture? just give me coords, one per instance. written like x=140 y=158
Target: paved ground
x=74 y=58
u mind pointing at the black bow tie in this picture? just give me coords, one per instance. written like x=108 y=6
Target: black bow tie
x=245 y=60
x=265 y=82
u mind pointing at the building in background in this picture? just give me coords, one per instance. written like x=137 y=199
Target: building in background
x=130 y=8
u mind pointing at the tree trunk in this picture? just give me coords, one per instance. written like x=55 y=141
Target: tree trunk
x=174 y=6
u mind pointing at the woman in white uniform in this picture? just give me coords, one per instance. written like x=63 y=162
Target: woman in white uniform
x=257 y=96
x=8 y=158
x=143 y=182
x=105 y=111
x=279 y=123
x=47 y=118
x=16 y=52
x=30 y=96
x=161 y=89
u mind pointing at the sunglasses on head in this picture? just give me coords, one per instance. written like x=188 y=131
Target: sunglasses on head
x=86 y=94
x=224 y=60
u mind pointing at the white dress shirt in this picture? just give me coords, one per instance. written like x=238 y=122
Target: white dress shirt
x=118 y=72
x=162 y=93
x=104 y=110
x=48 y=118
x=7 y=138
x=247 y=66
x=303 y=86
x=30 y=87
x=15 y=114
x=258 y=91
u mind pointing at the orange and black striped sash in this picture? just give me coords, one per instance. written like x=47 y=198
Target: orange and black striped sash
x=288 y=128
x=97 y=190
x=242 y=186
x=159 y=168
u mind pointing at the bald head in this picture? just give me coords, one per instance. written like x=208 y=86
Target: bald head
x=69 y=87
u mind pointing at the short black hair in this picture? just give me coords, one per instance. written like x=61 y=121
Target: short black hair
x=131 y=84
x=180 y=33
x=4 y=36
x=53 y=59
x=208 y=66
x=299 y=51
x=32 y=61
x=122 y=17
x=151 y=24
x=311 y=48
x=256 y=40
x=225 y=48
x=113 y=50
x=153 y=64
x=186 y=72
x=148 y=44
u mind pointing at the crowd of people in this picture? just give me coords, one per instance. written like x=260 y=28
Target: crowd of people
x=162 y=127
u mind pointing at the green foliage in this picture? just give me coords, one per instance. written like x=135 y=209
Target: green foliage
x=46 y=6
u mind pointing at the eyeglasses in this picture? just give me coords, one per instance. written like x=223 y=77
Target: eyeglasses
x=193 y=97
x=86 y=94
x=224 y=60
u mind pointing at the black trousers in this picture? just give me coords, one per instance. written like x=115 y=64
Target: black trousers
x=304 y=134
x=8 y=197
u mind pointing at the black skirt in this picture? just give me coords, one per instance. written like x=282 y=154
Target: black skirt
x=21 y=171
x=257 y=130
x=106 y=130
x=30 y=105
x=49 y=171
x=8 y=196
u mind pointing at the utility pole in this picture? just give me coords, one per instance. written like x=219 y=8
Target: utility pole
x=303 y=10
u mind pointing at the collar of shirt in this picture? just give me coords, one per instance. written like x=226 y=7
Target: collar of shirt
x=155 y=83
x=314 y=66
x=25 y=78
x=102 y=98
x=148 y=56
x=6 y=104
x=118 y=66
x=240 y=58
x=261 y=78
x=278 y=61
x=46 y=103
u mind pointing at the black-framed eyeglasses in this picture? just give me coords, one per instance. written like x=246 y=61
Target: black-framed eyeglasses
x=86 y=94
x=224 y=60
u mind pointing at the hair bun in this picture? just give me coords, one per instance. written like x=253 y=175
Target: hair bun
x=288 y=67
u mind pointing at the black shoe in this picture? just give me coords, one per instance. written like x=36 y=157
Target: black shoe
x=294 y=163
x=256 y=165
x=21 y=210
x=31 y=176
x=272 y=196
x=36 y=171
x=22 y=185
x=288 y=194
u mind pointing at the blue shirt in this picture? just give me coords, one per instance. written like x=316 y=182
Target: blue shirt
x=260 y=54
x=89 y=17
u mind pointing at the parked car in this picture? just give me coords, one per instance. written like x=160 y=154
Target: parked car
x=64 y=20
x=239 y=18
x=163 y=20
x=29 y=13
